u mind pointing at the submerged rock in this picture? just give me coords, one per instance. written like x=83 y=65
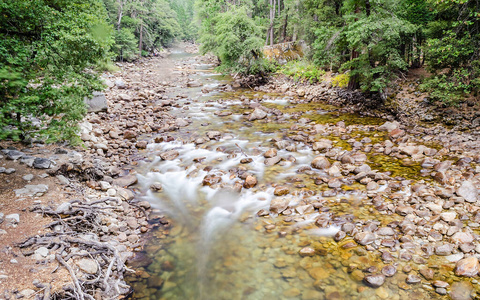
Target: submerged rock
x=375 y=281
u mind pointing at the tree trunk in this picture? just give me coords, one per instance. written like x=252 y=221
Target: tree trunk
x=270 y=26
x=140 y=41
x=120 y=14
x=284 y=32
x=271 y=23
x=353 y=82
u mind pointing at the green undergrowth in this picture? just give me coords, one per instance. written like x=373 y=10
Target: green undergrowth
x=302 y=71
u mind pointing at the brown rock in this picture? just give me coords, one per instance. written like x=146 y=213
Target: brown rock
x=169 y=155
x=211 y=179
x=320 y=162
x=129 y=134
x=270 y=153
x=280 y=191
x=126 y=181
x=141 y=144
x=250 y=182
x=278 y=205
x=468 y=267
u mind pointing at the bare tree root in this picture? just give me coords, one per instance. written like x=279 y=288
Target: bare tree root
x=71 y=240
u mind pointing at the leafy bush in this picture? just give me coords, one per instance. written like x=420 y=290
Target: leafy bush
x=341 y=80
x=302 y=71
x=234 y=38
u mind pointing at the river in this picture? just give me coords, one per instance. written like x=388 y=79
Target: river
x=227 y=240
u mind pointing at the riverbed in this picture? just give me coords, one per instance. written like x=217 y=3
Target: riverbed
x=270 y=196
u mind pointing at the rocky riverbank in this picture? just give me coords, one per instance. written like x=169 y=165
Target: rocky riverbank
x=69 y=217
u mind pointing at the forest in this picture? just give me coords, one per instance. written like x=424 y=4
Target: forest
x=52 y=51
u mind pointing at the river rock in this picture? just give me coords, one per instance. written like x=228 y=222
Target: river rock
x=169 y=155
x=41 y=253
x=413 y=278
x=250 y=182
x=272 y=161
x=125 y=97
x=396 y=133
x=119 y=83
x=468 y=267
x=462 y=237
x=41 y=163
x=223 y=113
x=427 y=273
x=63 y=208
x=385 y=231
x=156 y=186
x=126 y=181
x=32 y=190
x=307 y=251
x=257 y=114
x=389 y=270
x=443 y=249
x=448 y=216
x=28 y=177
x=468 y=191
x=88 y=266
x=211 y=179
x=280 y=191
x=14 y=154
x=375 y=281
x=364 y=238
x=322 y=145
x=214 y=135
x=270 y=153
x=97 y=103
x=125 y=194
x=12 y=218
x=278 y=205
x=320 y=162
x=129 y=134
x=388 y=126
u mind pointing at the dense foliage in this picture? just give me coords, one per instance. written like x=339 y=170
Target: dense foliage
x=46 y=48
x=374 y=41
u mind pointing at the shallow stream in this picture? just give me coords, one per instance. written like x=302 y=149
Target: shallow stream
x=215 y=246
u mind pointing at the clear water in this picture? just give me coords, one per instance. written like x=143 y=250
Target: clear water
x=215 y=246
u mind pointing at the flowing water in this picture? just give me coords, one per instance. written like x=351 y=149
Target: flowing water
x=216 y=247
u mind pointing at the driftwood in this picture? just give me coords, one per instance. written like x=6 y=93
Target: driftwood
x=67 y=228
